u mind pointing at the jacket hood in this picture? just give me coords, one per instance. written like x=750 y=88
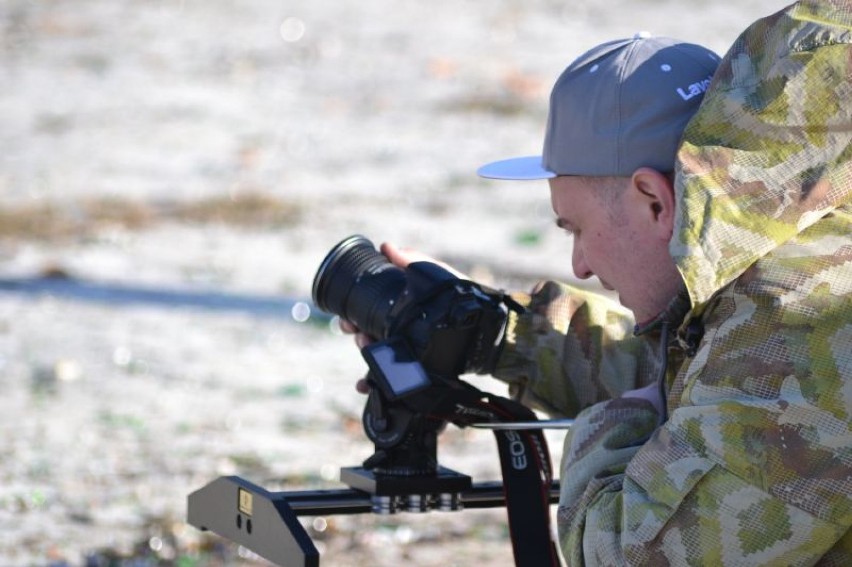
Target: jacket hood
x=768 y=152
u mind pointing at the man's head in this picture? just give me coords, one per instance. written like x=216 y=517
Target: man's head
x=616 y=117
x=621 y=227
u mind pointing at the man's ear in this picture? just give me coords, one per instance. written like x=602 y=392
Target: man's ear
x=652 y=196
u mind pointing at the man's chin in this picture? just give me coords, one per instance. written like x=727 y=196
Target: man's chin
x=639 y=315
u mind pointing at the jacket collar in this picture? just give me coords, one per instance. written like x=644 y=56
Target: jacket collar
x=674 y=314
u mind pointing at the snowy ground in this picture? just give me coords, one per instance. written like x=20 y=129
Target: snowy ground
x=362 y=117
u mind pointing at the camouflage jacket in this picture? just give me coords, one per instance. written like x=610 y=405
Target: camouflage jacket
x=754 y=465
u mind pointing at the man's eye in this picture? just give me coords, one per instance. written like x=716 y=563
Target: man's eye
x=569 y=230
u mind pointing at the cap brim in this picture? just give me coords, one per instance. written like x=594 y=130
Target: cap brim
x=528 y=167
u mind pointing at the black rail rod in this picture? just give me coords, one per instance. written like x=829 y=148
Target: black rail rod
x=350 y=501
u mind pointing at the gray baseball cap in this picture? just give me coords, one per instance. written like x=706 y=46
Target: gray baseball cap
x=620 y=106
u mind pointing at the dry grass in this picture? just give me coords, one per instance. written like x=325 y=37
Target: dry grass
x=54 y=221
x=247 y=210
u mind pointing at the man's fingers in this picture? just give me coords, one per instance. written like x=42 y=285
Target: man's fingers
x=362 y=340
x=402 y=257
x=399 y=257
x=347 y=327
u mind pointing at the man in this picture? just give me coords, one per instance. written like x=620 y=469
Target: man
x=743 y=269
x=720 y=432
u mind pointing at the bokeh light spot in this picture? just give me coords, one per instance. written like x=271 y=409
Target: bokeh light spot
x=292 y=29
x=301 y=312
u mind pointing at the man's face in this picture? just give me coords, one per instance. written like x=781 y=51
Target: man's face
x=619 y=239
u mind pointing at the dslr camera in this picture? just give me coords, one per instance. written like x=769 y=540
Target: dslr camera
x=430 y=326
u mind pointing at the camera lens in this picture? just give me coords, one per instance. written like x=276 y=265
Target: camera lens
x=357 y=282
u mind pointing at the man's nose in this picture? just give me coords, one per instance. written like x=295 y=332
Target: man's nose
x=578 y=263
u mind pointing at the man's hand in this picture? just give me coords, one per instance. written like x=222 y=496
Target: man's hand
x=361 y=340
x=402 y=257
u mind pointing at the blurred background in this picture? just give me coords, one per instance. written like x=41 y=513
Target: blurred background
x=172 y=173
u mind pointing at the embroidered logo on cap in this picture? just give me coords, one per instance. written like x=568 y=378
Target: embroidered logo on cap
x=694 y=89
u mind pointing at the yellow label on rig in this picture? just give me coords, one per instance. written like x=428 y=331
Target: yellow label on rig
x=246 y=502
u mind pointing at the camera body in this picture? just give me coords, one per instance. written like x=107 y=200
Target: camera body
x=431 y=326
x=451 y=326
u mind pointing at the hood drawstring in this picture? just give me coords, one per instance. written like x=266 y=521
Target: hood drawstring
x=674 y=314
x=692 y=336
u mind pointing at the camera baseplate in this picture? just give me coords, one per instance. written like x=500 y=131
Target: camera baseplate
x=267 y=522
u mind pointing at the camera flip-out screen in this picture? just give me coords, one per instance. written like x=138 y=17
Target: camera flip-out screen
x=395 y=368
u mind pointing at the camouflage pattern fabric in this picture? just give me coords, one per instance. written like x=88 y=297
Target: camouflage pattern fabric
x=754 y=465
x=568 y=332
